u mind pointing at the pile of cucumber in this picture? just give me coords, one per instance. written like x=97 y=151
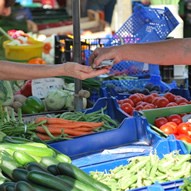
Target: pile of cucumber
x=56 y=177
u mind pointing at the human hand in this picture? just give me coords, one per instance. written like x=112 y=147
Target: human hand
x=107 y=53
x=81 y=72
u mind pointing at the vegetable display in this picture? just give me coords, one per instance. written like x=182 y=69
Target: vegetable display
x=38 y=176
x=139 y=101
x=146 y=170
x=72 y=124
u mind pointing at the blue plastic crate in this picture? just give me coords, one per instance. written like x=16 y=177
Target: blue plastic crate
x=131 y=84
x=162 y=147
x=145 y=25
x=84 y=145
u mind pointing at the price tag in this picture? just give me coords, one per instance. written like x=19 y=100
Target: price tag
x=41 y=87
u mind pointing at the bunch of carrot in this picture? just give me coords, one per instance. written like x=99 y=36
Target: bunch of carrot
x=55 y=127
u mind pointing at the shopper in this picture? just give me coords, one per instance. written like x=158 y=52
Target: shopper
x=167 y=52
x=20 y=71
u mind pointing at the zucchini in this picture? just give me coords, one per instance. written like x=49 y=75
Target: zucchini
x=8 y=165
x=35 y=166
x=22 y=157
x=50 y=181
x=23 y=186
x=75 y=172
x=53 y=169
x=19 y=174
x=47 y=161
x=6 y=185
x=80 y=185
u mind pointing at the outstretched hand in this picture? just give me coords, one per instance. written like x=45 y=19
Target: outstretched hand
x=81 y=72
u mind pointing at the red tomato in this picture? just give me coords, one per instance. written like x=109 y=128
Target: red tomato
x=167 y=129
x=171 y=104
x=149 y=106
x=139 y=107
x=170 y=96
x=175 y=118
x=135 y=98
x=154 y=94
x=183 y=137
x=148 y=98
x=160 y=121
x=127 y=108
x=127 y=100
x=183 y=128
x=173 y=125
x=180 y=100
x=162 y=102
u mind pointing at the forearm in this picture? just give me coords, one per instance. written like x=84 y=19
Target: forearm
x=17 y=71
x=168 y=52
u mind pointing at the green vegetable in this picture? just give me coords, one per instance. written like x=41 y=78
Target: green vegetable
x=33 y=105
x=50 y=181
x=80 y=185
x=23 y=186
x=6 y=93
x=55 y=100
x=76 y=173
x=22 y=157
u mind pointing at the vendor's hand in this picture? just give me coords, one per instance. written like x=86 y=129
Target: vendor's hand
x=80 y=71
x=101 y=54
x=32 y=26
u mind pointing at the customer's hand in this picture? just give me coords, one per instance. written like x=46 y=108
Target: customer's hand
x=80 y=71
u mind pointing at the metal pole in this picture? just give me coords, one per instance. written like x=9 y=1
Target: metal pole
x=78 y=105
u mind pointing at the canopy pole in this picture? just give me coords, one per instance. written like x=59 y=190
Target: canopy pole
x=78 y=104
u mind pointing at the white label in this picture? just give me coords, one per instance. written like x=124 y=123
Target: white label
x=41 y=87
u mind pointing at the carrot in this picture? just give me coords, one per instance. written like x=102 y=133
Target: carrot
x=56 y=131
x=43 y=137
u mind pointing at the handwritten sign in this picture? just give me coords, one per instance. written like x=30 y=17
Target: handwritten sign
x=41 y=87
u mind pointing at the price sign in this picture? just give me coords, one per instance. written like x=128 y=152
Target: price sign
x=41 y=87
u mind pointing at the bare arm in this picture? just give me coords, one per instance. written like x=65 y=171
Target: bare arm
x=168 y=52
x=18 y=71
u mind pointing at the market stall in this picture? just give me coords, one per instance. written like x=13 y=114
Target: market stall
x=127 y=130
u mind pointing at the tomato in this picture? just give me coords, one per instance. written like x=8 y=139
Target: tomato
x=170 y=96
x=155 y=100
x=167 y=129
x=127 y=100
x=183 y=128
x=149 y=106
x=171 y=104
x=127 y=108
x=175 y=118
x=139 y=107
x=160 y=121
x=180 y=100
x=135 y=98
x=148 y=98
x=162 y=102
x=183 y=137
x=173 y=125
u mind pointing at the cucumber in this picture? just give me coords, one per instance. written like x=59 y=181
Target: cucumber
x=80 y=185
x=35 y=166
x=75 y=172
x=50 y=181
x=23 y=186
x=19 y=174
x=53 y=169
x=7 y=185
